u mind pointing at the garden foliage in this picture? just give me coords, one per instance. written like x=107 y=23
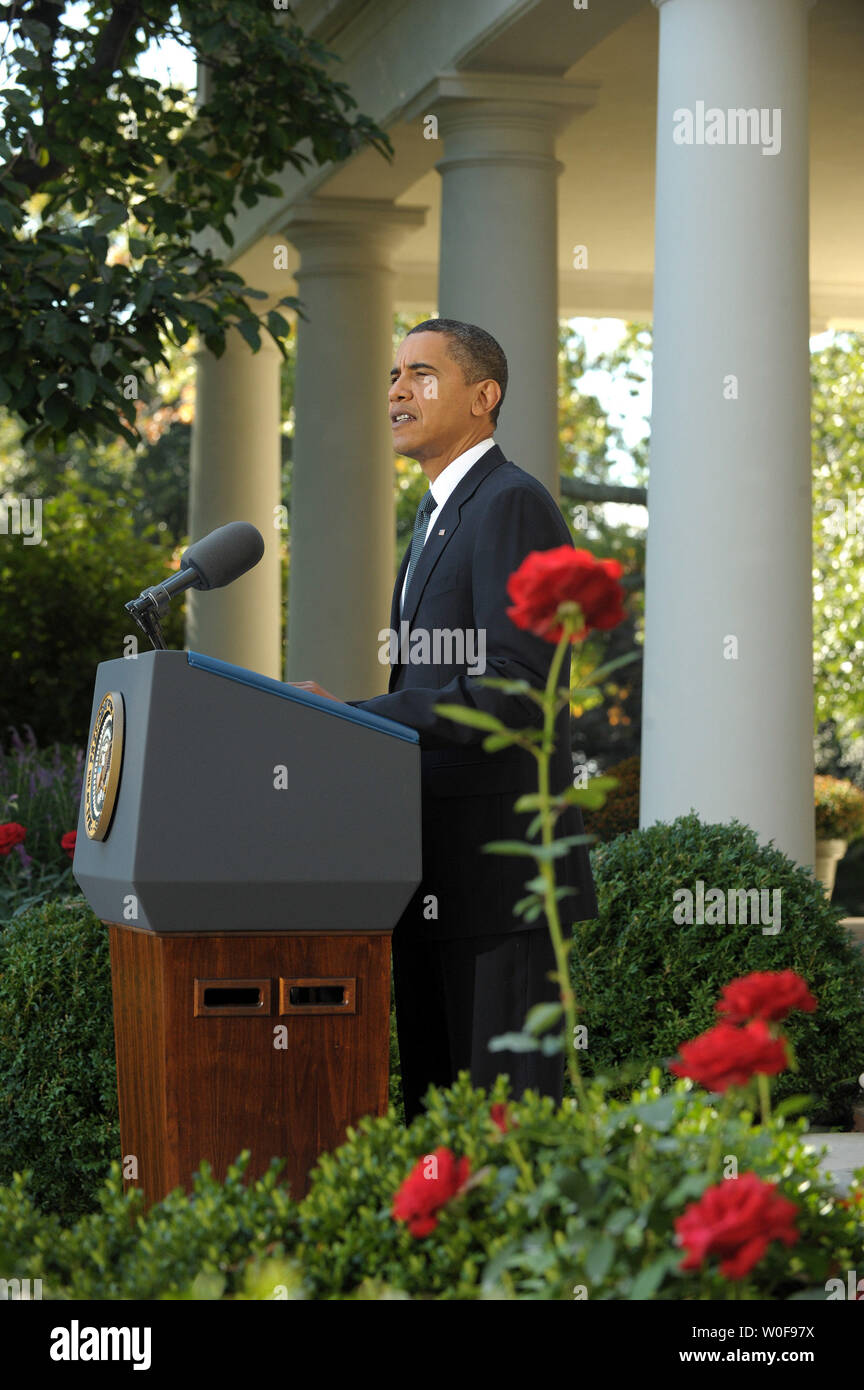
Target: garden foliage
x=645 y=982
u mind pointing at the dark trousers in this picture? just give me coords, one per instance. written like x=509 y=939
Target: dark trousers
x=452 y=996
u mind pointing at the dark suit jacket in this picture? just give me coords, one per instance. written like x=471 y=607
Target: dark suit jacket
x=496 y=515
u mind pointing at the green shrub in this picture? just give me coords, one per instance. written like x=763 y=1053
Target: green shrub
x=564 y=1200
x=40 y=789
x=645 y=983
x=219 y=1239
x=620 y=811
x=63 y=608
x=560 y=1201
x=58 y=1086
x=839 y=809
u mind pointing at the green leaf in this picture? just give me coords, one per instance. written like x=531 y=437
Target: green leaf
x=648 y=1280
x=475 y=718
x=586 y=693
x=510 y=687
x=112 y=214
x=556 y=850
x=495 y=742
x=529 y=910
x=48 y=385
x=689 y=1188
x=38 y=33
x=251 y=332
x=509 y=847
x=609 y=666
x=278 y=325
x=541 y=1017
x=144 y=296
x=657 y=1114
x=25 y=59
x=84 y=384
x=599 y=1259
x=9 y=216
x=794 y=1105
x=593 y=796
x=533 y=900
x=56 y=410
x=102 y=298
x=514 y=1042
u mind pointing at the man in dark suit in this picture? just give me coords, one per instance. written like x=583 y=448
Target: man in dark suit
x=465 y=967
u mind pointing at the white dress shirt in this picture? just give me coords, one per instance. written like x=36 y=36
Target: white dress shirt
x=447 y=481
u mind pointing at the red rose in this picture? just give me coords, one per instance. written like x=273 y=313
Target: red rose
x=768 y=994
x=67 y=842
x=499 y=1116
x=547 y=578
x=737 y=1219
x=728 y=1056
x=11 y=834
x=432 y=1183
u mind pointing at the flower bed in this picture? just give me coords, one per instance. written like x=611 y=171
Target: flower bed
x=39 y=794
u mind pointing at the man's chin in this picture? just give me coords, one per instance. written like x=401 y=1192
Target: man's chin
x=408 y=445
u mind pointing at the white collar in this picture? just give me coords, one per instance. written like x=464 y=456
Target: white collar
x=450 y=477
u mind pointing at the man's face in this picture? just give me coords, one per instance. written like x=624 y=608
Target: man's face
x=427 y=387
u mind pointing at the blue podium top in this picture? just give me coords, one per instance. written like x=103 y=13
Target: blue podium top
x=334 y=708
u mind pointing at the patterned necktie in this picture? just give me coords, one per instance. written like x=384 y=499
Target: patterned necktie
x=421 y=522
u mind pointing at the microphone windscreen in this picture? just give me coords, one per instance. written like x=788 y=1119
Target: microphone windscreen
x=224 y=555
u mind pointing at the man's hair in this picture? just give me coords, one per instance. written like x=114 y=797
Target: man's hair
x=475 y=350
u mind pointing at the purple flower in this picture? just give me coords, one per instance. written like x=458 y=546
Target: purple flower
x=26 y=859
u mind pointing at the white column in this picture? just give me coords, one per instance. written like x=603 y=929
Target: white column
x=235 y=476
x=499 y=237
x=727 y=724
x=342 y=512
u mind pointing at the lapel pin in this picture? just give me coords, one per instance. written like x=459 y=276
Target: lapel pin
x=441 y=532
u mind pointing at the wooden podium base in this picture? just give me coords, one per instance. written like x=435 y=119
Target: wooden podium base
x=273 y=1043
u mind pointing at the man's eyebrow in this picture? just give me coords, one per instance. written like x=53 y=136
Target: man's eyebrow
x=414 y=367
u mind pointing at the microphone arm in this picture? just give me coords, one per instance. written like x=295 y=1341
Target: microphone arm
x=149 y=606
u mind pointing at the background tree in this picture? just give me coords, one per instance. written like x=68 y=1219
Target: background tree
x=591 y=444
x=837 y=435
x=92 y=146
x=63 y=611
x=113 y=188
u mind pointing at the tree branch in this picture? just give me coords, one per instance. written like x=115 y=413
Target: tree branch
x=584 y=491
x=125 y=17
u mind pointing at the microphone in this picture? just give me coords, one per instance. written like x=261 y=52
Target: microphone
x=211 y=563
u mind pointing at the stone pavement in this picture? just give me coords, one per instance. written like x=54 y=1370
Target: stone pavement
x=845 y=1153
x=856 y=926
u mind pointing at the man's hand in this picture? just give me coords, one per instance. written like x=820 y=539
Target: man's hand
x=315 y=688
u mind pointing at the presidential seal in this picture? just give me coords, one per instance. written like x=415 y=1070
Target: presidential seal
x=104 y=761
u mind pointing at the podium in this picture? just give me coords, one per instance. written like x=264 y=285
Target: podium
x=250 y=847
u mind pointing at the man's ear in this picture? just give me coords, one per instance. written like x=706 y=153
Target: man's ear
x=487 y=396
